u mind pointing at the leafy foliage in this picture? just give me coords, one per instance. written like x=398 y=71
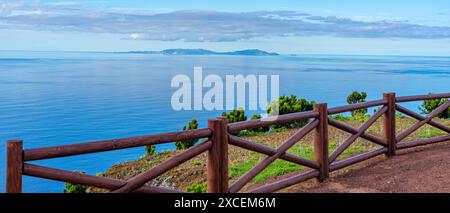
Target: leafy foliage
x=290 y=104
x=429 y=105
x=357 y=97
x=75 y=188
x=259 y=129
x=197 y=163
x=193 y=124
x=358 y=117
x=235 y=115
x=197 y=188
x=150 y=150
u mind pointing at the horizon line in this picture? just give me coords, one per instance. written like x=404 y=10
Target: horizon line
x=280 y=54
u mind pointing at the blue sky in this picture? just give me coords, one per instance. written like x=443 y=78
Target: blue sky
x=286 y=26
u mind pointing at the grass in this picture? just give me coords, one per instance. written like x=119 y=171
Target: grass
x=431 y=132
x=281 y=167
x=193 y=172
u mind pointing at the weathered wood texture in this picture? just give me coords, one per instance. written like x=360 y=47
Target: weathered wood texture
x=321 y=142
x=218 y=156
x=14 y=166
x=218 y=139
x=115 y=144
x=389 y=123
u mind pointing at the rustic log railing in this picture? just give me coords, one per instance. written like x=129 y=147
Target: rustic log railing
x=217 y=138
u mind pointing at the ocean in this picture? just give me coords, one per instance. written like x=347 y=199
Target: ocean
x=57 y=98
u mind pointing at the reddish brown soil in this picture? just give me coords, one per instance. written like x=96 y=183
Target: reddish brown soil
x=421 y=169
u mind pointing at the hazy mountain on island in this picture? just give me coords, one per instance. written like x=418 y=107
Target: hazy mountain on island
x=251 y=52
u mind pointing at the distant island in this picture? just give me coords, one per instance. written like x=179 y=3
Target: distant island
x=250 y=52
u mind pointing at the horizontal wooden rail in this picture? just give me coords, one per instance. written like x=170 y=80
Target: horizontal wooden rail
x=353 y=130
x=409 y=144
x=280 y=119
x=341 y=148
x=267 y=161
x=422 y=97
x=91 y=180
x=263 y=149
x=281 y=184
x=421 y=118
x=419 y=124
x=115 y=144
x=218 y=136
x=141 y=179
x=352 y=107
x=356 y=159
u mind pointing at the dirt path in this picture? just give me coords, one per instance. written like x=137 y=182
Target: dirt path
x=422 y=169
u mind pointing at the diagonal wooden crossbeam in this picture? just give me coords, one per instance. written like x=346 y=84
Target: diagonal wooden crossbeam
x=141 y=179
x=263 y=149
x=353 y=130
x=341 y=148
x=267 y=161
x=421 y=118
x=427 y=119
x=85 y=179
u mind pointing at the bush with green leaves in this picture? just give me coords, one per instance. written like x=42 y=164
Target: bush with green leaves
x=197 y=163
x=259 y=129
x=429 y=106
x=236 y=115
x=357 y=97
x=290 y=104
x=193 y=124
x=150 y=150
x=197 y=188
x=76 y=188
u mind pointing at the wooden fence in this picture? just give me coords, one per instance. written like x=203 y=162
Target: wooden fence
x=218 y=138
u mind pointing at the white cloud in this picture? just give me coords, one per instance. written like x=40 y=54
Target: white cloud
x=135 y=36
x=206 y=26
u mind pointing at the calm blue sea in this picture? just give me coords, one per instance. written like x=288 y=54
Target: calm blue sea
x=56 y=98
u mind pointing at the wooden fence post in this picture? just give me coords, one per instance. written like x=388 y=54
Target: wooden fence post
x=321 y=141
x=389 y=124
x=14 y=166
x=218 y=156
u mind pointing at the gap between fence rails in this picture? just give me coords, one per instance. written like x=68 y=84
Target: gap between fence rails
x=218 y=139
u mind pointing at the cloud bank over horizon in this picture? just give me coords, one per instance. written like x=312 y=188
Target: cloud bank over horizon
x=203 y=26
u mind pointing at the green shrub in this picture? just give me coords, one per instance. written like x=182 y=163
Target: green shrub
x=75 y=188
x=235 y=115
x=150 y=150
x=193 y=124
x=358 y=117
x=357 y=97
x=197 y=188
x=340 y=117
x=430 y=105
x=259 y=129
x=197 y=163
x=290 y=104
x=431 y=132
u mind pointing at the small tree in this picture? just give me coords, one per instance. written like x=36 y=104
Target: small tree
x=150 y=150
x=357 y=97
x=290 y=104
x=235 y=115
x=430 y=105
x=193 y=124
